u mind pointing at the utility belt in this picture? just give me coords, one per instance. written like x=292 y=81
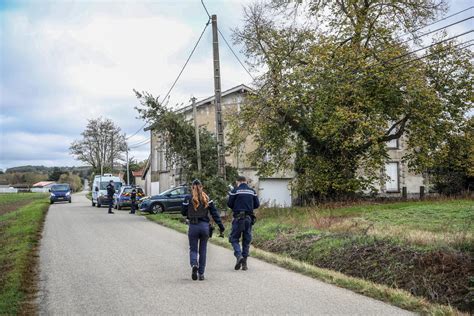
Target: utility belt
x=194 y=220
x=244 y=215
x=241 y=215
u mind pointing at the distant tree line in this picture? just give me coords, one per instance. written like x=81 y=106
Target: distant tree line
x=29 y=175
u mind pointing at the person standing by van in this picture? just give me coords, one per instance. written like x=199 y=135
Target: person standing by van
x=196 y=207
x=110 y=195
x=133 y=201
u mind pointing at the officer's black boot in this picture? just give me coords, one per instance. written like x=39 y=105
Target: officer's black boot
x=201 y=277
x=194 y=273
x=238 y=264
x=244 y=264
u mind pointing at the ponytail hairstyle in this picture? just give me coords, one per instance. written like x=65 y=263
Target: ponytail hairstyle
x=198 y=195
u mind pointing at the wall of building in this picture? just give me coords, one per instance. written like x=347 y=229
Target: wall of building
x=140 y=182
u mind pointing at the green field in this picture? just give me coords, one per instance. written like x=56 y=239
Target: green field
x=19 y=236
x=14 y=197
x=421 y=247
x=448 y=223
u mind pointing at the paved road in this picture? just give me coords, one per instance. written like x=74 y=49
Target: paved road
x=95 y=263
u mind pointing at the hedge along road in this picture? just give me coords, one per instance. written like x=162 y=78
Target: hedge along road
x=95 y=263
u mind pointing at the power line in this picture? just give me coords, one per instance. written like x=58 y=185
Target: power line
x=420 y=28
x=383 y=62
x=140 y=144
x=429 y=46
x=437 y=30
x=227 y=43
x=422 y=35
x=437 y=21
x=138 y=130
x=235 y=55
x=204 y=6
x=415 y=59
x=434 y=53
x=187 y=60
x=142 y=141
x=368 y=68
x=179 y=75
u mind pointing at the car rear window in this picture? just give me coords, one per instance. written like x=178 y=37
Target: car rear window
x=60 y=187
x=129 y=190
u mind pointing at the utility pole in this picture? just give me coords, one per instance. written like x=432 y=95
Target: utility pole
x=128 y=172
x=196 y=131
x=102 y=157
x=217 y=93
x=112 y=154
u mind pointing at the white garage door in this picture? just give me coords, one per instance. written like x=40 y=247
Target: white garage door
x=275 y=192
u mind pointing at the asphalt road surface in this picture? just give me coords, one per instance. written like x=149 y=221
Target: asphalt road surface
x=95 y=263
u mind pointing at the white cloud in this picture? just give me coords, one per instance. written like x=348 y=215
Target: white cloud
x=66 y=62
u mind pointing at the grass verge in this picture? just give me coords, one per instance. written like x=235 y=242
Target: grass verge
x=20 y=233
x=396 y=297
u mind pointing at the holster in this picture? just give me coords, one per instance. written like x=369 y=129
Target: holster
x=253 y=219
x=211 y=230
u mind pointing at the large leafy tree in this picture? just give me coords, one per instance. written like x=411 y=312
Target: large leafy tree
x=102 y=142
x=453 y=168
x=339 y=82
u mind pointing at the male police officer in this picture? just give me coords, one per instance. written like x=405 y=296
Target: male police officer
x=110 y=195
x=242 y=200
x=133 y=201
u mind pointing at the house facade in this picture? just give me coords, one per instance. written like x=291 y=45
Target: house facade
x=398 y=174
x=274 y=190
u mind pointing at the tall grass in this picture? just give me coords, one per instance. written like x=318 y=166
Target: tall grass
x=19 y=236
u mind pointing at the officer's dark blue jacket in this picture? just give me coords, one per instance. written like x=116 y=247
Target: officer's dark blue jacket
x=243 y=199
x=110 y=190
x=212 y=209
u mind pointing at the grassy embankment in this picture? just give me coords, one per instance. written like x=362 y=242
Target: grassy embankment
x=411 y=254
x=21 y=220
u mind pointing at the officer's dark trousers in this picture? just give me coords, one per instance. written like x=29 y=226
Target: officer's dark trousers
x=133 y=207
x=111 y=204
x=198 y=235
x=241 y=228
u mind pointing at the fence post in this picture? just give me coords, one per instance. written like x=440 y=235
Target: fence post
x=404 y=193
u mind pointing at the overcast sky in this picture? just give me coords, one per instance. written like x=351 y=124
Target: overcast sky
x=64 y=62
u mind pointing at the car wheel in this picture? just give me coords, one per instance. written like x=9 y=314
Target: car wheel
x=52 y=202
x=157 y=208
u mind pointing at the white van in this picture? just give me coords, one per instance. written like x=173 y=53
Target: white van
x=99 y=188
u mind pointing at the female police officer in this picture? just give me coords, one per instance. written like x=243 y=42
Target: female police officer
x=196 y=208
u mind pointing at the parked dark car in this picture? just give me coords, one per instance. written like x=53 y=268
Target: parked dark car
x=60 y=192
x=122 y=198
x=167 y=201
